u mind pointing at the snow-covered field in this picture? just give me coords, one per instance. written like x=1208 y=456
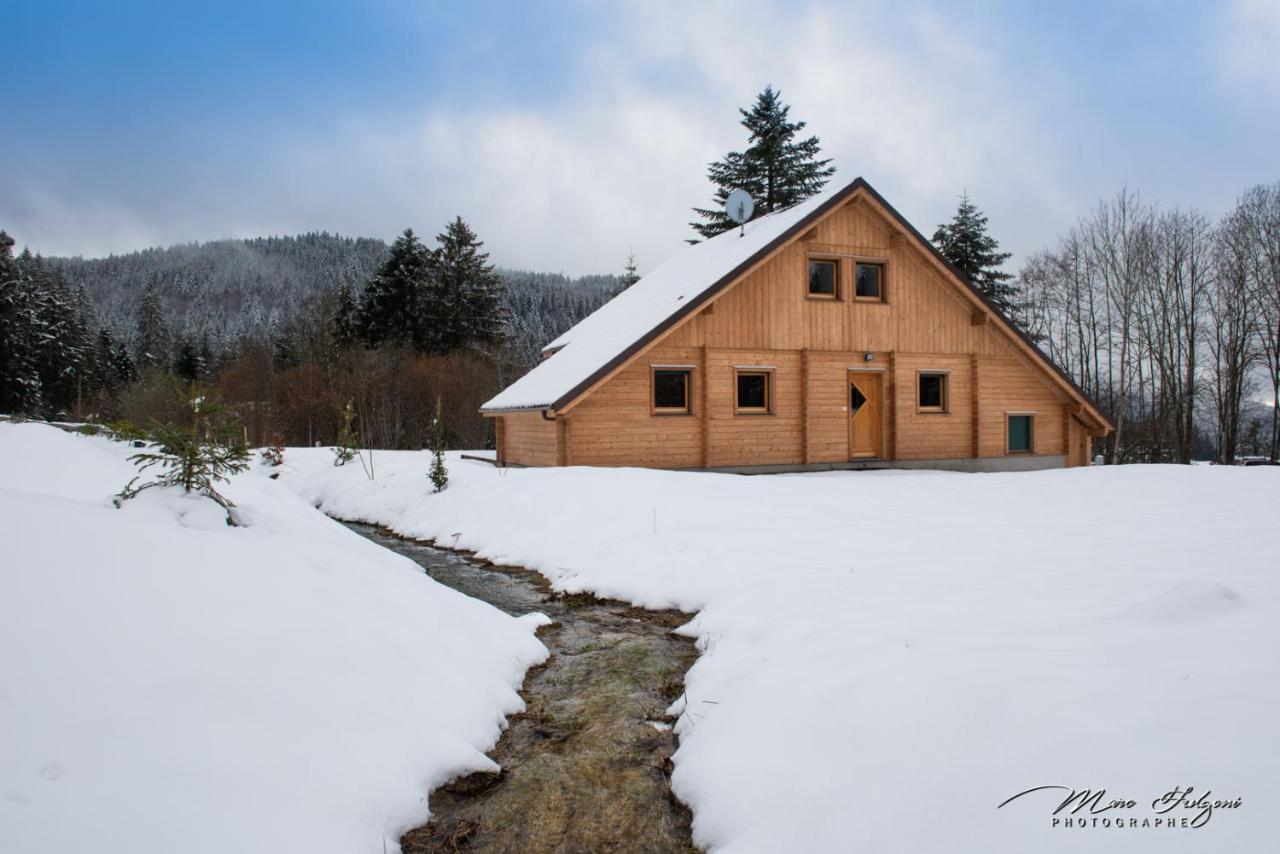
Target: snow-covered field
x=171 y=684
x=889 y=656
x=886 y=656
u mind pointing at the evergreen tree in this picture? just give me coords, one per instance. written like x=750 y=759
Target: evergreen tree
x=965 y=243
x=197 y=455
x=188 y=361
x=391 y=308
x=630 y=273
x=152 y=325
x=777 y=169
x=20 y=336
x=346 y=321
x=122 y=363
x=285 y=351
x=438 y=475
x=209 y=357
x=348 y=439
x=465 y=299
x=64 y=358
x=44 y=338
x=103 y=369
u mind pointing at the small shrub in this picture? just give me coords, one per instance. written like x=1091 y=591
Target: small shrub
x=348 y=439
x=194 y=456
x=439 y=475
x=273 y=455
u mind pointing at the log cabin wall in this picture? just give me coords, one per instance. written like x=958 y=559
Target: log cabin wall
x=615 y=426
x=526 y=439
x=809 y=346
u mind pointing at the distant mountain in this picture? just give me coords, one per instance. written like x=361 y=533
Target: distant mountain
x=225 y=290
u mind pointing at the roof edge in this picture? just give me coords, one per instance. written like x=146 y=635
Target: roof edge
x=502 y=410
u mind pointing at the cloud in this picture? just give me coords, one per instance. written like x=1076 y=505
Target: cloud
x=916 y=106
x=922 y=102
x=1248 y=39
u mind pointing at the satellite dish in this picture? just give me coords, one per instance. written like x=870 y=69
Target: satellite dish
x=738 y=206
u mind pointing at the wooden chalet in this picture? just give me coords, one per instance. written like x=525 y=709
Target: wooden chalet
x=828 y=335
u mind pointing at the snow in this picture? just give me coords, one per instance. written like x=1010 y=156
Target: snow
x=887 y=656
x=170 y=683
x=629 y=316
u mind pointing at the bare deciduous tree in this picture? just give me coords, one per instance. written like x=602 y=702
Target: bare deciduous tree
x=1158 y=313
x=1259 y=212
x=1231 y=331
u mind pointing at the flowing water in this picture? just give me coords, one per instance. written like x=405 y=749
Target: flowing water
x=586 y=767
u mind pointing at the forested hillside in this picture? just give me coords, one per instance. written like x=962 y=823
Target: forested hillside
x=225 y=291
x=291 y=332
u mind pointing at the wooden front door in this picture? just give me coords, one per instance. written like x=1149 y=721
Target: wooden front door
x=864 y=414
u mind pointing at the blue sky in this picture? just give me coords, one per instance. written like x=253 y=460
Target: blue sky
x=571 y=133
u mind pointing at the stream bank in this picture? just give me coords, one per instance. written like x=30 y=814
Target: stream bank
x=586 y=766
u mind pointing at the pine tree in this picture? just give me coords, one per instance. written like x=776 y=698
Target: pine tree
x=346 y=321
x=123 y=365
x=465 y=300
x=20 y=336
x=188 y=361
x=348 y=439
x=103 y=369
x=439 y=475
x=630 y=273
x=776 y=169
x=195 y=456
x=391 y=308
x=965 y=243
x=152 y=323
x=63 y=357
x=45 y=345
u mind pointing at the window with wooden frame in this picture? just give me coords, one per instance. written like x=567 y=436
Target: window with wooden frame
x=672 y=390
x=931 y=391
x=868 y=281
x=753 y=391
x=1021 y=432
x=824 y=278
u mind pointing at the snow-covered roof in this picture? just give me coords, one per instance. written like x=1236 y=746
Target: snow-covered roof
x=605 y=335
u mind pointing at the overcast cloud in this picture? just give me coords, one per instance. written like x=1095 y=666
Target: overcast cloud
x=567 y=153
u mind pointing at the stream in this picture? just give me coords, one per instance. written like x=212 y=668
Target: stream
x=586 y=766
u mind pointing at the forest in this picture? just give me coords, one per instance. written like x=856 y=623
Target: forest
x=275 y=328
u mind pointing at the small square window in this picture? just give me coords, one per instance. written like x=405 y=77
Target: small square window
x=824 y=279
x=671 y=391
x=753 y=392
x=870 y=282
x=933 y=393
x=1021 y=434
